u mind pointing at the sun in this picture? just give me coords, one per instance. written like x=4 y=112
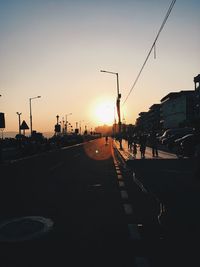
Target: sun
x=104 y=113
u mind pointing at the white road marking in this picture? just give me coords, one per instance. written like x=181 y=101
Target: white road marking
x=120 y=177
x=121 y=184
x=128 y=209
x=133 y=228
x=124 y=194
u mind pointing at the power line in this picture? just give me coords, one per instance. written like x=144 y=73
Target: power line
x=152 y=47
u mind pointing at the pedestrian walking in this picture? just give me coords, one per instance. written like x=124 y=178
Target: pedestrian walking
x=154 y=144
x=130 y=142
x=134 y=149
x=142 y=150
x=106 y=139
x=143 y=143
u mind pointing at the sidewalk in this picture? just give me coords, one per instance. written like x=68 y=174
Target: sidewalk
x=175 y=183
x=128 y=155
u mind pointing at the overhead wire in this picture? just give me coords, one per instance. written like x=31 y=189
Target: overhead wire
x=152 y=47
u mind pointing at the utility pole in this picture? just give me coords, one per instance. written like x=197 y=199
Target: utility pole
x=118 y=106
x=31 y=118
x=19 y=114
x=63 y=125
x=67 y=121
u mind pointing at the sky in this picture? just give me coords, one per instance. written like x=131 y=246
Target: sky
x=56 y=49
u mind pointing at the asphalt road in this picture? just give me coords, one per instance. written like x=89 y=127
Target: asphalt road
x=97 y=214
x=77 y=189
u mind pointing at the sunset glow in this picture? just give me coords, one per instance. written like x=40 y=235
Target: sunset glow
x=104 y=113
x=56 y=49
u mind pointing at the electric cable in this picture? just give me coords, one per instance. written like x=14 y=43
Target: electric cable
x=152 y=47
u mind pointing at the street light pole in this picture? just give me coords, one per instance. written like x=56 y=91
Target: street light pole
x=117 y=104
x=31 y=119
x=19 y=114
x=66 y=120
x=80 y=125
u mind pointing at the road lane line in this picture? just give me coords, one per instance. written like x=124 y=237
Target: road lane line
x=120 y=177
x=134 y=233
x=121 y=184
x=124 y=194
x=128 y=209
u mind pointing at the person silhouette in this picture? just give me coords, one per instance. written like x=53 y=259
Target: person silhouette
x=143 y=141
x=154 y=144
x=134 y=149
x=106 y=138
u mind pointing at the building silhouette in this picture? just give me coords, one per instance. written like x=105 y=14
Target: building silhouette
x=175 y=110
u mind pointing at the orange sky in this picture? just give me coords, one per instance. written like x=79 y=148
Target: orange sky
x=56 y=49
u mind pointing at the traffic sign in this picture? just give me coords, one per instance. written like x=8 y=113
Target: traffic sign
x=24 y=126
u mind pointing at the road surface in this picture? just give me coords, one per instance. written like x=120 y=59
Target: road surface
x=79 y=206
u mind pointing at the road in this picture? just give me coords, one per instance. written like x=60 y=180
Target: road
x=77 y=189
x=96 y=214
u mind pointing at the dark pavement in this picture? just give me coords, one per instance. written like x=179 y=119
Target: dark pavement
x=77 y=189
x=99 y=214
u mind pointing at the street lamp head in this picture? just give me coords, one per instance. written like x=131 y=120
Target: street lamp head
x=111 y=72
x=34 y=97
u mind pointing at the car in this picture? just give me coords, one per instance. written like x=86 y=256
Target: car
x=188 y=145
x=175 y=131
x=169 y=142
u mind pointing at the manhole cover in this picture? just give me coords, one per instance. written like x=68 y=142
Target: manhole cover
x=24 y=228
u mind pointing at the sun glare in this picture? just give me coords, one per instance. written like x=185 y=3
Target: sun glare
x=104 y=113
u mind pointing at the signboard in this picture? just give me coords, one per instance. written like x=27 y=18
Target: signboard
x=2 y=120
x=24 y=126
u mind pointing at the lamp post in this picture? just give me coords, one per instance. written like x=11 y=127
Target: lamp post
x=80 y=125
x=1 y=138
x=31 y=119
x=117 y=105
x=67 y=121
x=19 y=114
x=63 y=125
